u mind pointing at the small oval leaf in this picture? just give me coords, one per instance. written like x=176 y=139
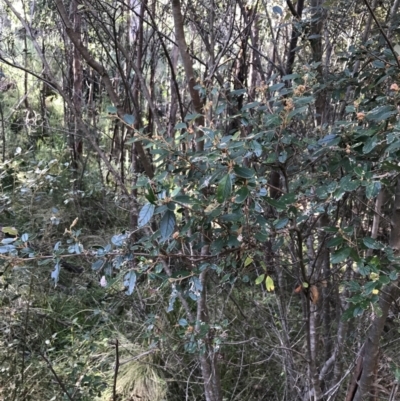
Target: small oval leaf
x=167 y=224
x=98 y=264
x=224 y=189
x=129 y=119
x=340 y=255
x=243 y=172
x=111 y=110
x=242 y=194
x=372 y=243
x=269 y=284
x=130 y=282
x=145 y=214
x=260 y=279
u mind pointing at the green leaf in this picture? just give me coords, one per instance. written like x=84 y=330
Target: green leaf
x=353 y=286
x=150 y=196
x=118 y=239
x=340 y=255
x=372 y=243
x=130 y=282
x=248 y=261
x=260 y=279
x=251 y=105
x=220 y=109
x=111 y=110
x=328 y=140
x=269 y=283
x=167 y=224
x=337 y=241
x=237 y=92
x=281 y=223
x=6 y=241
x=373 y=189
x=348 y=184
x=276 y=87
x=129 y=119
x=278 y=10
x=370 y=286
x=304 y=100
x=180 y=126
x=359 y=171
x=98 y=264
x=358 y=311
x=393 y=147
x=282 y=156
x=290 y=76
x=364 y=270
x=185 y=199
x=242 y=194
x=370 y=144
x=297 y=110
x=381 y=113
x=384 y=280
x=276 y=203
x=261 y=237
x=145 y=214
x=191 y=117
x=328 y=229
x=243 y=172
x=224 y=189
x=232 y=217
x=348 y=314
x=10 y=231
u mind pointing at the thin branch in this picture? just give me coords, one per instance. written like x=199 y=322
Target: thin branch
x=117 y=364
x=382 y=32
x=59 y=381
x=292 y=9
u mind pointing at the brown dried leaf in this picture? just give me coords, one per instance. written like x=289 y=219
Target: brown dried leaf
x=314 y=294
x=298 y=289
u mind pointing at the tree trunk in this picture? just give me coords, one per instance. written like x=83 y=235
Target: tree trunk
x=189 y=72
x=388 y=294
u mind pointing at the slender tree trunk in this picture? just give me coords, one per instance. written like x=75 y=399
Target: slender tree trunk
x=208 y=358
x=296 y=32
x=3 y=133
x=76 y=143
x=316 y=31
x=388 y=294
x=189 y=72
x=99 y=68
x=174 y=94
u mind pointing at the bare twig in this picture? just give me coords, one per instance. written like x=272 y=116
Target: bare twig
x=117 y=365
x=59 y=381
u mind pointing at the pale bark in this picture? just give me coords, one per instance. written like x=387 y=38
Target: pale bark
x=76 y=144
x=208 y=359
x=388 y=294
x=316 y=31
x=99 y=68
x=189 y=72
